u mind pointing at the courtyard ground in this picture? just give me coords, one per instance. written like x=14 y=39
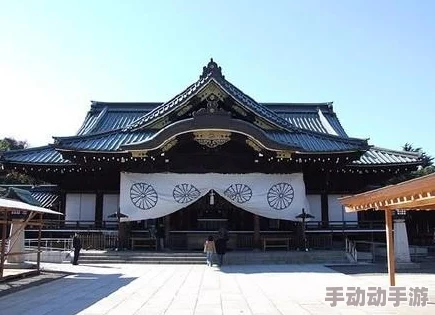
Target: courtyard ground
x=198 y=289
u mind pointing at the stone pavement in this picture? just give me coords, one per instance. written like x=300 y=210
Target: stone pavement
x=24 y=280
x=198 y=289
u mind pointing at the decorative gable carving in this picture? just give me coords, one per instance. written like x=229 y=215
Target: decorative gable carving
x=212 y=138
x=212 y=109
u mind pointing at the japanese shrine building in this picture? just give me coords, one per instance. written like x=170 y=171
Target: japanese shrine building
x=209 y=157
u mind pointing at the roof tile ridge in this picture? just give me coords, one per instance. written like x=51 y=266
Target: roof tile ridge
x=409 y=153
x=87 y=136
x=281 y=121
x=334 y=137
x=47 y=146
x=139 y=121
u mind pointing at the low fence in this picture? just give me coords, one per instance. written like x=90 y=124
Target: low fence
x=49 y=244
x=377 y=251
x=99 y=240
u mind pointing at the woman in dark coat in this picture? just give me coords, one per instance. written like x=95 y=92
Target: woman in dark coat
x=221 y=249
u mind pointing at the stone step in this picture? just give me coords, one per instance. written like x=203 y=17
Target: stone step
x=137 y=253
x=239 y=257
x=183 y=262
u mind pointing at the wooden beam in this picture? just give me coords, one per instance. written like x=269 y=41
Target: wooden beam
x=418 y=203
x=390 y=247
x=257 y=231
x=38 y=255
x=3 y=247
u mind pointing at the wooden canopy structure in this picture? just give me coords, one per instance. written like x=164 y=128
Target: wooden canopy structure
x=32 y=215
x=415 y=194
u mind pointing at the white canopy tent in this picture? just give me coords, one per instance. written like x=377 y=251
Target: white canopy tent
x=8 y=206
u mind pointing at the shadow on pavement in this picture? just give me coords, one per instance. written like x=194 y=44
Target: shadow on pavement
x=67 y=296
x=278 y=268
x=424 y=268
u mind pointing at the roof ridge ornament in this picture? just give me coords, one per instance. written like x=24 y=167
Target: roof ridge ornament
x=212 y=108
x=212 y=68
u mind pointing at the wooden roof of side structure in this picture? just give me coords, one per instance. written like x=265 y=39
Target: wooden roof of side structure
x=415 y=194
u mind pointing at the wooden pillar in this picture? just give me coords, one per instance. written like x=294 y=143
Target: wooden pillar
x=390 y=246
x=256 y=231
x=167 y=225
x=62 y=207
x=325 y=208
x=38 y=254
x=99 y=210
x=123 y=239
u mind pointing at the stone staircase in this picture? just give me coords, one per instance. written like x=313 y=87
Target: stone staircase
x=234 y=258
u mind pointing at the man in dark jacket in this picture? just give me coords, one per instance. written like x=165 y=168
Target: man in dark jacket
x=77 y=244
x=221 y=249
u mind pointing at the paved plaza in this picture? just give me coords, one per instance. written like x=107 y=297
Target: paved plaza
x=198 y=289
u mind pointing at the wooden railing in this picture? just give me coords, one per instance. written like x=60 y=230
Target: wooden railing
x=351 y=249
x=333 y=226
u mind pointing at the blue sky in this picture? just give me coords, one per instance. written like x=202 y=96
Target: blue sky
x=373 y=59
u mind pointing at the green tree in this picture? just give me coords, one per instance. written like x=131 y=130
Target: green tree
x=13 y=177
x=7 y=144
x=426 y=167
x=426 y=159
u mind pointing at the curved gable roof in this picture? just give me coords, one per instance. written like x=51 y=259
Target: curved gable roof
x=212 y=73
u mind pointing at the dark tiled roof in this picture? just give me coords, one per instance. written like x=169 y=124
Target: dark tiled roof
x=306 y=141
x=105 y=116
x=45 y=195
x=47 y=199
x=374 y=156
x=164 y=108
x=110 y=141
x=39 y=155
x=21 y=195
x=379 y=156
x=307 y=116
x=108 y=126
x=318 y=143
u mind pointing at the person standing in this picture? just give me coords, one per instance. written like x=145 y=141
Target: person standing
x=209 y=249
x=77 y=244
x=221 y=249
x=160 y=234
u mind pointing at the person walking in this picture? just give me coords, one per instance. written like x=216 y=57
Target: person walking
x=221 y=249
x=77 y=244
x=209 y=249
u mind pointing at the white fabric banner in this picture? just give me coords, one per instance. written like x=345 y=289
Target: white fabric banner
x=150 y=196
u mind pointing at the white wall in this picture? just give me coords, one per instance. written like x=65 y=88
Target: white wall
x=315 y=206
x=80 y=207
x=110 y=206
x=72 y=207
x=336 y=210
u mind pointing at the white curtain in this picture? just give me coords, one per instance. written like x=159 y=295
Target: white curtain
x=149 y=196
